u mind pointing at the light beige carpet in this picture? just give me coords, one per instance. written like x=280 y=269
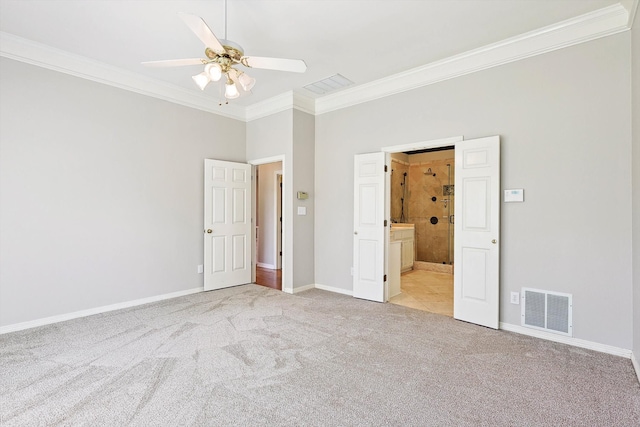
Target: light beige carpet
x=252 y=356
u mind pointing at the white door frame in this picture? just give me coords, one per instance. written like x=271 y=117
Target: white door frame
x=277 y=231
x=287 y=200
x=436 y=143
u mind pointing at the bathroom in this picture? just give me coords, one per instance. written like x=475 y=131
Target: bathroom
x=422 y=194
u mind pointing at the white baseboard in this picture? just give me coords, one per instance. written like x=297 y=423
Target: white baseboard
x=303 y=288
x=576 y=342
x=333 y=289
x=636 y=365
x=267 y=266
x=97 y=310
x=317 y=286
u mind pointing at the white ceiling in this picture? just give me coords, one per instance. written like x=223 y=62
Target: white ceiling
x=364 y=40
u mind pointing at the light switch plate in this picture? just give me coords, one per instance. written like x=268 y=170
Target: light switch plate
x=302 y=210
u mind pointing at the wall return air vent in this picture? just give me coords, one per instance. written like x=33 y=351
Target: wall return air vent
x=547 y=311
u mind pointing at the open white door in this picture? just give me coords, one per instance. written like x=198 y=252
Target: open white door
x=227 y=224
x=368 y=227
x=477 y=231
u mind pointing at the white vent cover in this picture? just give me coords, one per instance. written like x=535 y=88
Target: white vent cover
x=547 y=311
x=335 y=82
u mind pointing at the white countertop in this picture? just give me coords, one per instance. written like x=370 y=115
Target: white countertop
x=403 y=225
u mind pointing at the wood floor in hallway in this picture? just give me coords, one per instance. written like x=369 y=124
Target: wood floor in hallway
x=269 y=278
x=427 y=291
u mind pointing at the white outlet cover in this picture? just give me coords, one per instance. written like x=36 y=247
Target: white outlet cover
x=302 y=210
x=515 y=297
x=200 y=269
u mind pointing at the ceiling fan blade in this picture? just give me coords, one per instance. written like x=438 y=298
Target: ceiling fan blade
x=202 y=30
x=173 y=63
x=294 y=65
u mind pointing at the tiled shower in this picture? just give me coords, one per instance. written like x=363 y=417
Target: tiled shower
x=425 y=197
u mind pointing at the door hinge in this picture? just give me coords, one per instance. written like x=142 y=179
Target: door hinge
x=385 y=222
x=385 y=168
x=280 y=253
x=385 y=278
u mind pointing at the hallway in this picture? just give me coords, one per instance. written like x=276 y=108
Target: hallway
x=269 y=278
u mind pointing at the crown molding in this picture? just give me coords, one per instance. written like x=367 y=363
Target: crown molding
x=633 y=11
x=279 y=103
x=30 y=52
x=304 y=103
x=596 y=24
x=276 y=104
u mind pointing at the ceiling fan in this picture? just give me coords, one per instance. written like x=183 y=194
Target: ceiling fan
x=222 y=56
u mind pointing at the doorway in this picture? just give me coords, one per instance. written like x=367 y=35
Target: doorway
x=422 y=220
x=268 y=225
x=377 y=261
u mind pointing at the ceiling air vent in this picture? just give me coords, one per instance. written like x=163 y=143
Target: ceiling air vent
x=329 y=84
x=547 y=311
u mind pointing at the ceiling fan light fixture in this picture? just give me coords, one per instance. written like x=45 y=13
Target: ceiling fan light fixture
x=230 y=90
x=222 y=55
x=246 y=81
x=201 y=80
x=213 y=71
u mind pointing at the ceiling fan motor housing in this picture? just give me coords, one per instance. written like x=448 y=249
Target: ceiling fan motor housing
x=232 y=55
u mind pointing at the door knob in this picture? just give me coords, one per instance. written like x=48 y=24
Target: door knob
x=494 y=241
x=355 y=232
x=209 y=231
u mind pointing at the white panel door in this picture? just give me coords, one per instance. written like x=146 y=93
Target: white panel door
x=368 y=227
x=227 y=224
x=477 y=232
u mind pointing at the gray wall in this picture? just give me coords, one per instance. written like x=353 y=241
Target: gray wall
x=303 y=169
x=290 y=133
x=100 y=192
x=565 y=127
x=268 y=137
x=636 y=187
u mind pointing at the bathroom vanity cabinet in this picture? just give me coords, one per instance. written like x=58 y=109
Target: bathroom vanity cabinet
x=405 y=234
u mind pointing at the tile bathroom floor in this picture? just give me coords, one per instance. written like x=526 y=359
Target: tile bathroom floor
x=426 y=290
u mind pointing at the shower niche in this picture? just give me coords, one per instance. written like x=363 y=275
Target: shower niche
x=422 y=193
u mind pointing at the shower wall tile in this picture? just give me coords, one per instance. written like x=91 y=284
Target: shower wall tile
x=432 y=240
